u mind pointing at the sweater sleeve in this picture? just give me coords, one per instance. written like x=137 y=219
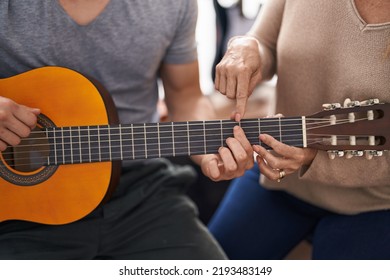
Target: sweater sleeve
x=266 y=29
x=347 y=173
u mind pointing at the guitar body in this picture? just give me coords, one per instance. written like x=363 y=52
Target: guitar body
x=71 y=191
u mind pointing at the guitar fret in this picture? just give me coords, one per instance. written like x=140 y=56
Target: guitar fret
x=280 y=131
x=71 y=145
x=95 y=143
x=196 y=137
x=52 y=139
x=173 y=140
x=227 y=130
x=63 y=145
x=55 y=146
x=139 y=141
x=180 y=138
x=152 y=140
x=99 y=148
x=166 y=139
x=292 y=132
x=132 y=141
x=120 y=141
x=158 y=140
x=89 y=144
x=74 y=145
x=145 y=138
x=251 y=129
x=304 y=138
x=127 y=142
x=47 y=136
x=268 y=127
x=67 y=145
x=85 y=149
x=115 y=145
x=188 y=139
x=212 y=141
x=81 y=157
x=221 y=128
x=204 y=137
x=109 y=143
x=105 y=143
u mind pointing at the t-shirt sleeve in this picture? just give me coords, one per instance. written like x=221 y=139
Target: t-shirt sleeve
x=183 y=46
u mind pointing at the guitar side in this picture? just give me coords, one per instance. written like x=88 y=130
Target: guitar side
x=68 y=99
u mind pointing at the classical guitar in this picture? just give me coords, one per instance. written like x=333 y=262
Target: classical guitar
x=70 y=163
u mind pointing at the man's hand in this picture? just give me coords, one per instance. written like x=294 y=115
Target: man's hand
x=230 y=162
x=16 y=122
x=239 y=72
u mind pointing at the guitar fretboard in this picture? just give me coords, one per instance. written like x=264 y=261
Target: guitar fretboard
x=82 y=144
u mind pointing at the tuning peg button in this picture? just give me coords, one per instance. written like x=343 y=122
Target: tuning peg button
x=369 y=102
x=334 y=153
x=331 y=106
x=353 y=153
x=351 y=104
x=373 y=153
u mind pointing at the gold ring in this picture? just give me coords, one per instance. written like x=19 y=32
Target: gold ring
x=281 y=175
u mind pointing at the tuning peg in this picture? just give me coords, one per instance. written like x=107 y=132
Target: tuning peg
x=349 y=104
x=370 y=102
x=331 y=106
x=353 y=153
x=372 y=153
x=333 y=154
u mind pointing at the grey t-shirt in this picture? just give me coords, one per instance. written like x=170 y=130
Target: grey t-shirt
x=122 y=48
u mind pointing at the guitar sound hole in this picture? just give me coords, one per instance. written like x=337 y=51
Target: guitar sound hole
x=30 y=155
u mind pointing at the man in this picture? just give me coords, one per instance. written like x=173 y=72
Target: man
x=126 y=45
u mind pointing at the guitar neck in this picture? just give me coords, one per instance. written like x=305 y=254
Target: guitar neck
x=81 y=144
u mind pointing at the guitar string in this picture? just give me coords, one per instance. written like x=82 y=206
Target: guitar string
x=279 y=128
x=195 y=149
x=108 y=159
x=209 y=142
x=150 y=151
x=212 y=122
x=183 y=140
x=78 y=143
x=104 y=141
x=310 y=124
x=150 y=155
x=177 y=135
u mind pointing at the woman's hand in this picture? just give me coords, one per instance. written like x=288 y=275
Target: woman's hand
x=16 y=122
x=284 y=161
x=230 y=162
x=239 y=72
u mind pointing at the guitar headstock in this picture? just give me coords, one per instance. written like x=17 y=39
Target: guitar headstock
x=354 y=129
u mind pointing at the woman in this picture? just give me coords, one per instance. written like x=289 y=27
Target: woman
x=321 y=52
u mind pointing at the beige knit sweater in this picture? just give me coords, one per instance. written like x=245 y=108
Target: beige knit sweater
x=322 y=52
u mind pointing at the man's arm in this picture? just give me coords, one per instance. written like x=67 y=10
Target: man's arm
x=183 y=95
x=185 y=101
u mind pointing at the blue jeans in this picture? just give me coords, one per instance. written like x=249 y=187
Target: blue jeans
x=255 y=223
